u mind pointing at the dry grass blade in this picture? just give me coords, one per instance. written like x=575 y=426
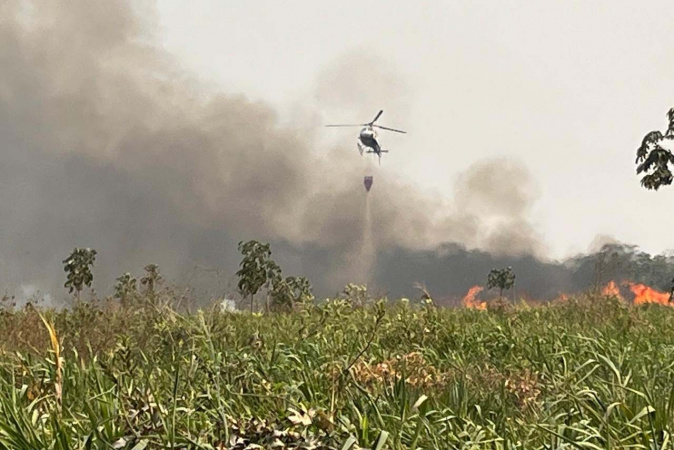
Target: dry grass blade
x=56 y=349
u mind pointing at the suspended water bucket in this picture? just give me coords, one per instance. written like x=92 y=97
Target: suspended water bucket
x=368 y=183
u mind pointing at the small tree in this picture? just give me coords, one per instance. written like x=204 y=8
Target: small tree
x=654 y=160
x=503 y=279
x=257 y=269
x=126 y=287
x=288 y=292
x=151 y=279
x=78 y=267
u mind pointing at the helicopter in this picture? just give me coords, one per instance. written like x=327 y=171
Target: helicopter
x=368 y=136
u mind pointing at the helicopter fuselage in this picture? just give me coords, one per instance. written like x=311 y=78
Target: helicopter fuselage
x=368 y=137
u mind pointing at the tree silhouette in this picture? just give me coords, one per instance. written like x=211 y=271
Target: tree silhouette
x=126 y=287
x=257 y=269
x=151 y=279
x=77 y=266
x=503 y=279
x=653 y=159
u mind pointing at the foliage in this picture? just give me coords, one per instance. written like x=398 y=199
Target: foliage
x=288 y=292
x=503 y=279
x=152 y=278
x=589 y=373
x=654 y=158
x=356 y=295
x=620 y=261
x=78 y=267
x=257 y=269
x=126 y=288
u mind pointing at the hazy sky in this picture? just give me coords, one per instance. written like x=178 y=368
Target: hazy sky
x=567 y=87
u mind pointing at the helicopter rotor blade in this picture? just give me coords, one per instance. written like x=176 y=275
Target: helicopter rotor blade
x=350 y=125
x=377 y=116
x=390 y=129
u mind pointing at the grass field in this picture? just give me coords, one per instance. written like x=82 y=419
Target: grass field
x=588 y=373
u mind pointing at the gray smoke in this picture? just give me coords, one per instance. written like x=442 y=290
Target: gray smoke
x=106 y=142
x=358 y=83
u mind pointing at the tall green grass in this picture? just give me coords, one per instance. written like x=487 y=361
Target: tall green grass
x=589 y=373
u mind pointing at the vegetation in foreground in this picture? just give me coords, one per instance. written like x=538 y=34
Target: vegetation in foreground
x=589 y=372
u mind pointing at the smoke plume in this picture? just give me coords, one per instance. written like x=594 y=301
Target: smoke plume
x=106 y=142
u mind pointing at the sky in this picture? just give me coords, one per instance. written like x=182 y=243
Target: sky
x=568 y=88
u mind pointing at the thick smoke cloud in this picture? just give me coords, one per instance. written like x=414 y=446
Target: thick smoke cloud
x=106 y=142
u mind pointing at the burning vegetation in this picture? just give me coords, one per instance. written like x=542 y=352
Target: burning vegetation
x=626 y=291
x=470 y=300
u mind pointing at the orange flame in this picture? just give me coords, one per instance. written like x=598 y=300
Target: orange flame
x=469 y=301
x=612 y=290
x=563 y=297
x=644 y=294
